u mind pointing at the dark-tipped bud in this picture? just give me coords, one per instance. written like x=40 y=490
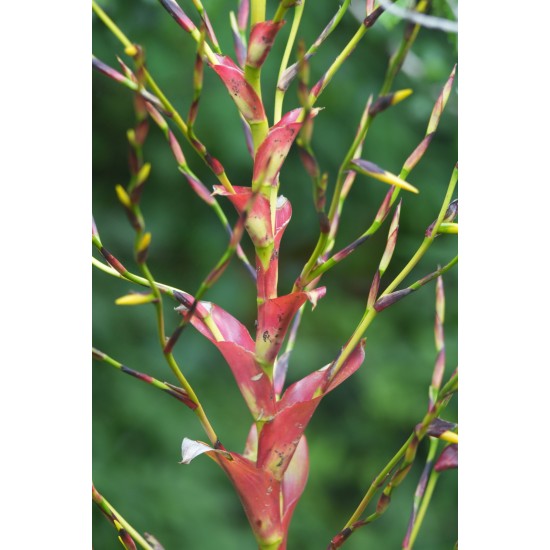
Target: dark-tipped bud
x=439 y=426
x=385 y=101
x=450 y=214
x=383 y=503
x=390 y=299
x=371 y=19
x=178 y=14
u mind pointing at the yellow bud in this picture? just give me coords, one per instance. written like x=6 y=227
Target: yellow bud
x=131 y=135
x=451 y=228
x=449 y=436
x=117 y=524
x=144 y=242
x=134 y=299
x=123 y=196
x=392 y=179
x=130 y=50
x=143 y=174
x=401 y=95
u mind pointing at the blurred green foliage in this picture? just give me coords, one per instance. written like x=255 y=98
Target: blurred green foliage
x=137 y=431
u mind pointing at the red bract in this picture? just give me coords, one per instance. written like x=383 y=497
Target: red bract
x=242 y=93
x=280 y=436
x=260 y=229
x=261 y=41
x=237 y=347
x=271 y=474
x=274 y=149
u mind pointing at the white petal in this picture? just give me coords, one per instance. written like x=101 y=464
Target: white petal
x=191 y=448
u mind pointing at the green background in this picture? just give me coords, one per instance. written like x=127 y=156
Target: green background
x=137 y=430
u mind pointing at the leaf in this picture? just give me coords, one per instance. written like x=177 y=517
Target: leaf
x=242 y=93
x=273 y=151
x=261 y=41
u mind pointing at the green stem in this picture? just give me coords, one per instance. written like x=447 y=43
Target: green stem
x=396 y=61
x=257 y=12
x=378 y=481
x=425 y=502
x=447 y=391
x=427 y=242
x=338 y=198
x=109 y=510
x=280 y=94
x=110 y=24
x=142 y=281
x=338 y=62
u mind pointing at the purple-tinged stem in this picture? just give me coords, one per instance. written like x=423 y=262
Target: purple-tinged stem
x=403 y=459
x=174 y=391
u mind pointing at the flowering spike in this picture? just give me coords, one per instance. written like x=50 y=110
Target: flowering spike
x=173 y=8
x=242 y=93
x=370 y=169
x=261 y=41
x=448 y=459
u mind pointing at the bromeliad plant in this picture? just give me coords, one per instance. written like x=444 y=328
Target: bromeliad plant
x=270 y=475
